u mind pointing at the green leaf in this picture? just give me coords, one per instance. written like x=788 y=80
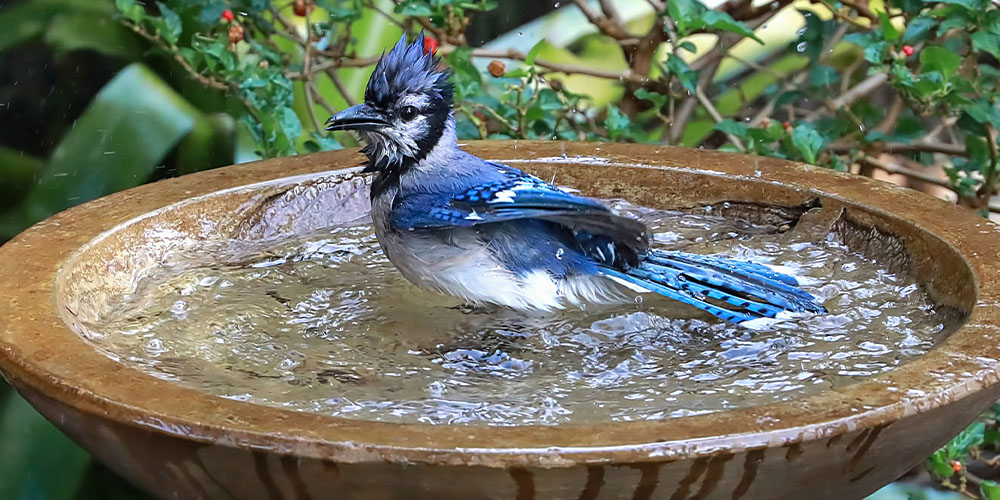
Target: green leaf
x=808 y=141
x=730 y=126
x=17 y=175
x=617 y=122
x=822 y=75
x=211 y=143
x=989 y=490
x=290 y=124
x=688 y=46
x=171 y=22
x=683 y=72
x=889 y=31
x=319 y=142
x=132 y=123
x=723 y=21
x=131 y=10
x=97 y=32
x=986 y=42
x=940 y=59
x=37 y=461
x=973 y=5
x=918 y=29
x=970 y=437
x=414 y=8
x=872 y=43
x=533 y=53
x=657 y=99
x=26 y=21
x=939 y=464
x=683 y=11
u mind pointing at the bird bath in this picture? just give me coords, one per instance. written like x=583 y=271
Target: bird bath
x=64 y=273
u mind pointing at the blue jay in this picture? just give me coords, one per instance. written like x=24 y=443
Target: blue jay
x=489 y=233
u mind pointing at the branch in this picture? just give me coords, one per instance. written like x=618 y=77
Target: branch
x=862 y=9
x=901 y=148
x=707 y=103
x=193 y=73
x=310 y=101
x=863 y=88
x=607 y=26
x=985 y=192
x=687 y=106
x=337 y=82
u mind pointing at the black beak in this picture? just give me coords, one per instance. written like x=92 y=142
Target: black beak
x=360 y=117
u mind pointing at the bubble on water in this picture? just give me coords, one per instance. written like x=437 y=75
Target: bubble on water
x=328 y=315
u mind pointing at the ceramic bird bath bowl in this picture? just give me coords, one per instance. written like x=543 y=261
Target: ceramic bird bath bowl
x=181 y=443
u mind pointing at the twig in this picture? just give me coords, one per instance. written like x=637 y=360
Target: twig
x=707 y=103
x=862 y=9
x=863 y=88
x=306 y=62
x=687 y=106
x=200 y=78
x=607 y=26
x=985 y=192
x=901 y=148
x=611 y=12
x=320 y=99
x=337 y=82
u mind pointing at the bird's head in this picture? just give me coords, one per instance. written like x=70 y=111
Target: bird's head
x=407 y=108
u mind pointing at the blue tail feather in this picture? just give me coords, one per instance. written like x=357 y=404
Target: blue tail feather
x=741 y=291
x=680 y=296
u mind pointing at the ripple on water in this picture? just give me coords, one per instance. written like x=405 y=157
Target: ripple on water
x=325 y=324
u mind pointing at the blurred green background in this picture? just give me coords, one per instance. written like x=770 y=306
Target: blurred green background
x=97 y=96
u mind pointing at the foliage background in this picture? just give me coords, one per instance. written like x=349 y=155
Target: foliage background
x=101 y=95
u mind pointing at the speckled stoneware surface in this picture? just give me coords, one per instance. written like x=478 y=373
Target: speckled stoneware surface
x=179 y=443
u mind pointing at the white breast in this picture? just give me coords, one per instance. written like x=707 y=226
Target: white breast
x=461 y=264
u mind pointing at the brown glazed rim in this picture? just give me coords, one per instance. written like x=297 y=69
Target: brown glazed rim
x=38 y=350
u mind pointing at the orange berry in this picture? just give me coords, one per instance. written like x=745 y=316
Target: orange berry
x=497 y=68
x=235 y=33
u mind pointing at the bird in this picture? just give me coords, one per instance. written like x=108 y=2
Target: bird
x=489 y=233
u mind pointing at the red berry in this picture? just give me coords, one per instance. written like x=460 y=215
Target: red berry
x=787 y=125
x=430 y=45
x=908 y=50
x=227 y=15
x=299 y=8
x=956 y=466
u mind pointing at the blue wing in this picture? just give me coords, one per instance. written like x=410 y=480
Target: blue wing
x=516 y=196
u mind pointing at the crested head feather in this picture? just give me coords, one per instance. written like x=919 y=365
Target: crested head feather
x=408 y=69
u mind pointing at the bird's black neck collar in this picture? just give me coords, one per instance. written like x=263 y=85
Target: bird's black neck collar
x=388 y=173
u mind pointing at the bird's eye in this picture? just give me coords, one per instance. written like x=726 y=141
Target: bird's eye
x=408 y=113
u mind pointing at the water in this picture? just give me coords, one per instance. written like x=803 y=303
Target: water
x=325 y=324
